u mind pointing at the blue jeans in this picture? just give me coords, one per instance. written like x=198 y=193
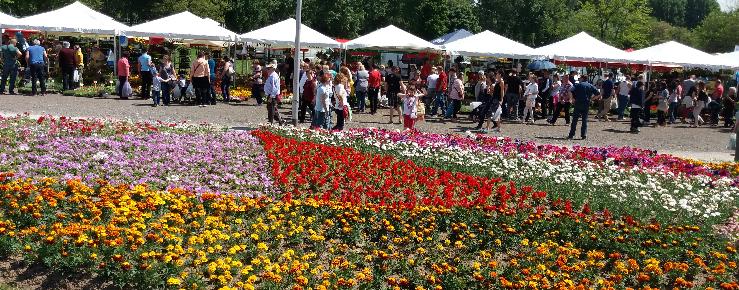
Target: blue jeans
x=580 y=112
x=155 y=95
x=12 y=72
x=37 y=73
x=672 y=111
x=439 y=103
x=166 y=92
x=623 y=101
x=226 y=88
x=361 y=100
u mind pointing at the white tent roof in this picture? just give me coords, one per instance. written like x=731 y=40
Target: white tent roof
x=75 y=17
x=490 y=44
x=183 y=25
x=583 y=47
x=730 y=59
x=5 y=18
x=283 y=34
x=391 y=38
x=672 y=52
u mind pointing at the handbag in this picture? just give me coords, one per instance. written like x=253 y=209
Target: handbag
x=76 y=76
x=346 y=111
x=126 y=91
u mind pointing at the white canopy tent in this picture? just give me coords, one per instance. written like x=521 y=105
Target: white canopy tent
x=490 y=44
x=5 y=18
x=583 y=47
x=391 y=38
x=731 y=59
x=73 y=18
x=184 y=25
x=282 y=34
x=672 y=52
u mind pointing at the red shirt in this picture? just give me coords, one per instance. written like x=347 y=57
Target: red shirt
x=718 y=92
x=374 y=79
x=425 y=71
x=442 y=83
x=123 y=67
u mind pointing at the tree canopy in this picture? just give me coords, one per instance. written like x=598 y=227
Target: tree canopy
x=622 y=23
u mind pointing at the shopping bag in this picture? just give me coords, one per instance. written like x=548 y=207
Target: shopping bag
x=126 y=91
x=732 y=141
x=190 y=91
x=76 y=76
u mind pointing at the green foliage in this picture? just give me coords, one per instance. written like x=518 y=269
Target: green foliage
x=621 y=23
x=661 y=31
x=719 y=32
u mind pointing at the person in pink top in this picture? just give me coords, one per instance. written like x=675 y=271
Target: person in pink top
x=123 y=72
x=715 y=105
x=456 y=94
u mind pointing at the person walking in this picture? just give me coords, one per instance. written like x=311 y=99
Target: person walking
x=410 y=106
x=37 y=58
x=714 y=105
x=676 y=92
x=530 y=95
x=361 y=87
x=257 y=79
x=607 y=92
x=495 y=94
x=67 y=63
x=729 y=107
x=636 y=101
x=322 y=118
x=226 y=77
x=124 y=71
x=456 y=95
x=545 y=95
x=144 y=67
x=701 y=99
x=169 y=78
x=307 y=100
x=663 y=104
x=440 y=90
x=392 y=87
x=10 y=55
x=564 y=99
x=582 y=93
x=212 y=78
x=374 y=82
x=200 y=79
x=514 y=89
x=272 y=91
x=431 y=81
x=623 y=97
x=156 y=86
x=341 y=104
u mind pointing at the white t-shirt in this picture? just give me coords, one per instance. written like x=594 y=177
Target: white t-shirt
x=431 y=81
x=410 y=106
x=340 y=97
x=623 y=88
x=532 y=90
x=323 y=96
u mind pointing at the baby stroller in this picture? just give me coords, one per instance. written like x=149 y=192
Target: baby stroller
x=182 y=93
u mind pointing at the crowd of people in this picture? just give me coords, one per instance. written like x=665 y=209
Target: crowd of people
x=499 y=96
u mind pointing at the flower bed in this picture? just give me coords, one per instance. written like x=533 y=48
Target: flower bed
x=626 y=190
x=157 y=155
x=140 y=238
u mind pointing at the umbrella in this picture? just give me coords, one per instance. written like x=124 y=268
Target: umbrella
x=541 y=65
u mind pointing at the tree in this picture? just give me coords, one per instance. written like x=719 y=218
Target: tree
x=661 y=31
x=698 y=10
x=669 y=11
x=621 y=23
x=718 y=32
x=531 y=22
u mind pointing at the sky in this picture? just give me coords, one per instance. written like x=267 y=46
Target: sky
x=728 y=5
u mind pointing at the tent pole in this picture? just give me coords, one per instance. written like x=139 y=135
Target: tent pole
x=296 y=61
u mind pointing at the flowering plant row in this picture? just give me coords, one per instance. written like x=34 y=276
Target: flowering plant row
x=141 y=238
x=624 y=190
x=160 y=155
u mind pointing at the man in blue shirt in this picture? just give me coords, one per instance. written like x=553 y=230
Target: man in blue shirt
x=212 y=66
x=36 y=57
x=271 y=90
x=582 y=92
x=604 y=105
x=145 y=66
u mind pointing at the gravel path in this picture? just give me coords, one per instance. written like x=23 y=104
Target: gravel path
x=704 y=143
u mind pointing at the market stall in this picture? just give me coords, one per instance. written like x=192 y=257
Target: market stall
x=391 y=38
x=282 y=35
x=584 y=48
x=730 y=59
x=183 y=25
x=490 y=44
x=675 y=53
x=5 y=18
x=451 y=36
x=75 y=18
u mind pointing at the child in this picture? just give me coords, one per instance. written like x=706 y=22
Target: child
x=410 y=106
x=663 y=104
x=182 y=85
x=156 y=86
x=532 y=90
